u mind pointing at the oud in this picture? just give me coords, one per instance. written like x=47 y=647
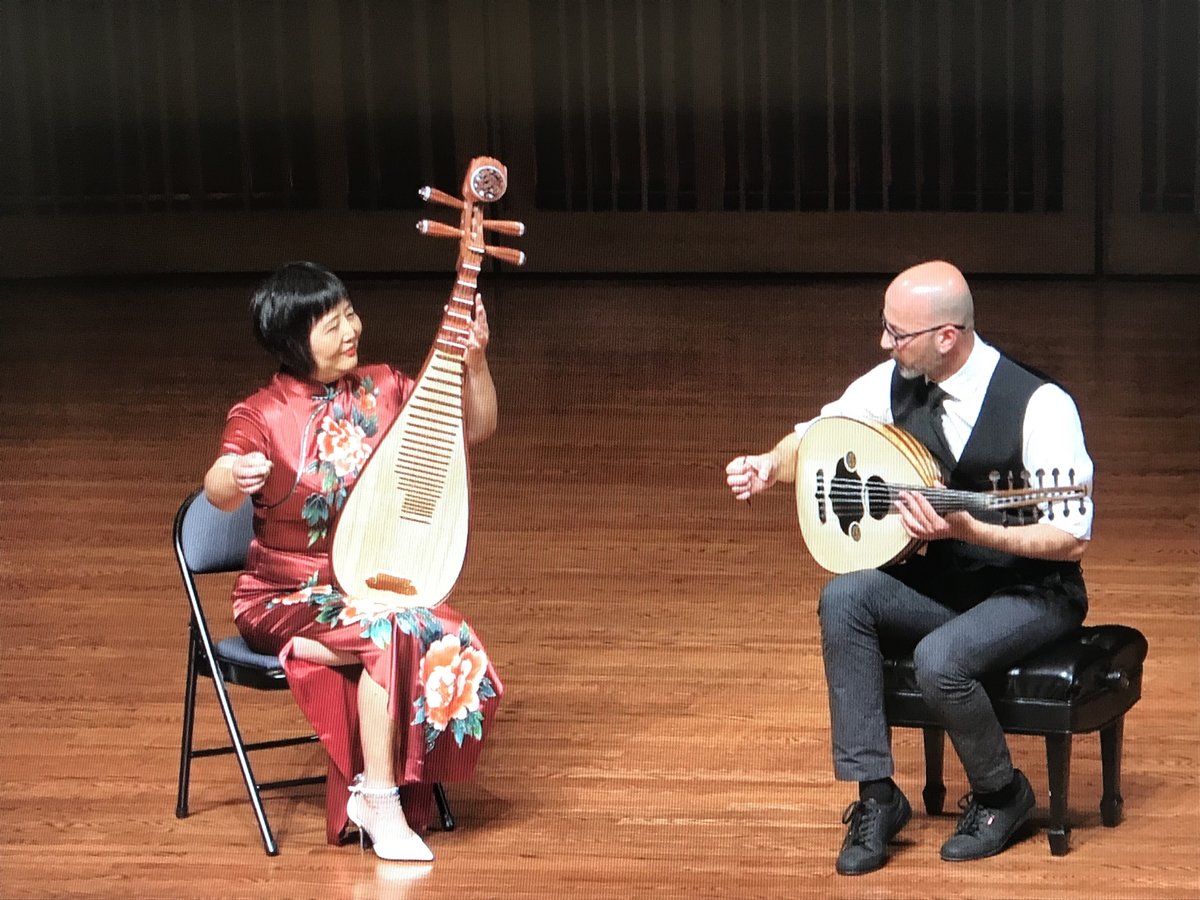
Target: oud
x=849 y=475
x=401 y=538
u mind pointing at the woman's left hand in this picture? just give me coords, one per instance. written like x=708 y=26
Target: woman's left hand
x=477 y=340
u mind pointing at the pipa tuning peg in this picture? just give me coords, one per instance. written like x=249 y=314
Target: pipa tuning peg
x=433 y=195
x=506 y=254
x=438 y=229
x=502 y=226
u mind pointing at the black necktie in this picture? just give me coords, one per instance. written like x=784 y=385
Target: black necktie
x=931 y=411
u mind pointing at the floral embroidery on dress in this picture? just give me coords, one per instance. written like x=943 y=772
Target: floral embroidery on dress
x=376 y=617
x=342 y=451
x=453 y=672
x=329 y=600
x=455 y=683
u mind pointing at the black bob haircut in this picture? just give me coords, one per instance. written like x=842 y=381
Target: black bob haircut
x=286 y=305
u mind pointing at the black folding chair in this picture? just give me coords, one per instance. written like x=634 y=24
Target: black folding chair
x=209 y=541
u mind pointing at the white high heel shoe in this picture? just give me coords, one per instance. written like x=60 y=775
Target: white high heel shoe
x=378 y=814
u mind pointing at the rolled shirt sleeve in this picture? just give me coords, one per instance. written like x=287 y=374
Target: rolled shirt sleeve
x=1053 y=445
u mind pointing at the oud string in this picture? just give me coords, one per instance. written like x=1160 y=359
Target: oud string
x=874 y=493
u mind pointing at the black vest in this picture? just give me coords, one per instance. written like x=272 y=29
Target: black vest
x=995 y=445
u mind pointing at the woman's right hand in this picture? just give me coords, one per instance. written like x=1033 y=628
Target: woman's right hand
x=250 y=472
x=750 y=475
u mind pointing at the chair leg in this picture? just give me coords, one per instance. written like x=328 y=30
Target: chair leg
x=1058 y=769
x=189 y=718
x=1112 y=803
x=239 y=749
x=443 y=805
x=934 y=793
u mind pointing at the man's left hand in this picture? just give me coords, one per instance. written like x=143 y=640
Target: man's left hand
x=924 y=523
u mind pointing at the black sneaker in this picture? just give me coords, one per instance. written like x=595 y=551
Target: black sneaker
x=872 y=825
x=983 y=831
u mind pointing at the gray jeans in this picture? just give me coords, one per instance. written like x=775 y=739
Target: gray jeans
x=953 y=647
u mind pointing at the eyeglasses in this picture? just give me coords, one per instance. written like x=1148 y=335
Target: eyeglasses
x=899 y=337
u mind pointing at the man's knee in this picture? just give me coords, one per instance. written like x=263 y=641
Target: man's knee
x=935 y=667
x=843 y=598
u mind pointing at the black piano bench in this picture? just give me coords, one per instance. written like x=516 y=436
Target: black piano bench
x=1083 y=683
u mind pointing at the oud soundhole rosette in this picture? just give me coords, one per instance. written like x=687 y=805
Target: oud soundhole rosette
x=488 y=183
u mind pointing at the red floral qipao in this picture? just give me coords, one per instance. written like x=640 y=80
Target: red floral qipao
x=442 y=690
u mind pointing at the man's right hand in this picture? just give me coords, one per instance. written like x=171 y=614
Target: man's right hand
x=750 y=475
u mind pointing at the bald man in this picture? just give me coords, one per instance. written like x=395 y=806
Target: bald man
x=982 y=596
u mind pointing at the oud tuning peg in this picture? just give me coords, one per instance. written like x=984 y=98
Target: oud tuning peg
x=994 y=478
x=506 y=254
x=433 y=195
x=1026 y=479
x=516 y=229
x=1041 y=477
x=438 y=229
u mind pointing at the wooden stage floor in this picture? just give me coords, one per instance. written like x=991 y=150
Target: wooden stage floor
x=665 y=730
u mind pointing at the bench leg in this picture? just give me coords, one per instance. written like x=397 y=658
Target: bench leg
x=935 y=788
x=1058 y=768
x=1112 y=803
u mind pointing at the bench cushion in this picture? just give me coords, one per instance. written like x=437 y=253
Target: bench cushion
x=1075 y=685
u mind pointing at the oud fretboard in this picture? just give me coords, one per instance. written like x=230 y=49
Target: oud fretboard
x=431 y=435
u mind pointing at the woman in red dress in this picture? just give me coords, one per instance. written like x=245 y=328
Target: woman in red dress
x=401 y=698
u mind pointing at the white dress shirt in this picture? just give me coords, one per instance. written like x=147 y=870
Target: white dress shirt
x=1052 y=435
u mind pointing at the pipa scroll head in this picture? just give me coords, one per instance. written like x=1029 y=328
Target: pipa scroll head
x=487 y=179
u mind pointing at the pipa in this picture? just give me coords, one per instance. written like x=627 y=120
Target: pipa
x=401 y=538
